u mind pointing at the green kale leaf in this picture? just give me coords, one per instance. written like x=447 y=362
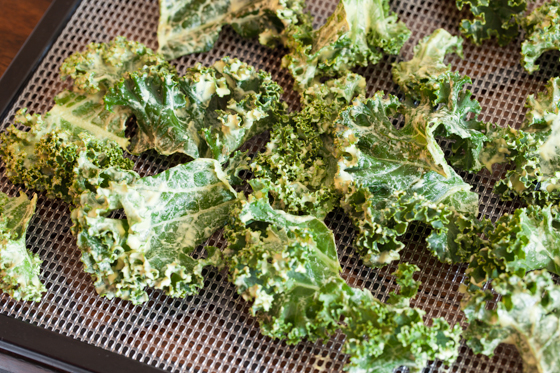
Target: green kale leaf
x=534 y=150
x=426 y=79
x=391 y=177
x=209 y=112
x=527 y=316
x=187 y=27
x=166 y=217
x=542 y=28
x=231 y=102
x=381 y=337
x=100 y=66
x=239 y=162
x=528 y=239
x=287 y=266
x=455 y=118
x=282 y=263
x=19 y=268
x=421 y=76
x=492 y=18
x=153 y=96
x=356 y=34
x=43 y=158
x=298 y=166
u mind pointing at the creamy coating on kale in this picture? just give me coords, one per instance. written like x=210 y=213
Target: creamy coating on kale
x=166 y=217
x=187 y=26
x=542 y=29
x=19 y=268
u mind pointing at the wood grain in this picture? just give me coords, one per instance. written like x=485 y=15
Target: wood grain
x=17 y=19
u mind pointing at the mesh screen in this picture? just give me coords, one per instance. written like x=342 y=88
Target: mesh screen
x=214 y=331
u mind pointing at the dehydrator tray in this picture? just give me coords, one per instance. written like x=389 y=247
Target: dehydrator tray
x=214 y=331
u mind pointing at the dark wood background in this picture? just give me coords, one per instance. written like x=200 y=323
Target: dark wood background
x=17 y=19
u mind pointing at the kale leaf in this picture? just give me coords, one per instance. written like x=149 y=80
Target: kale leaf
x=381 y=337
x=101 y=65
x=209 y=112
x=43 y=158
x=282 y=263
x=19 y=268
x=298 y=166
x=526 y=240
x=166 y=217
x=534 y=150
x=527 y=316
x=542 y=28
x=187 y=27
x=356 y=34
x=426 y=79
x=421 y=76
x=492 y=18
x=391 y=177
x=287 y=266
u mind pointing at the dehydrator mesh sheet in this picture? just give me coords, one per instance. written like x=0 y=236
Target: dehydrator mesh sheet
x=214 y=332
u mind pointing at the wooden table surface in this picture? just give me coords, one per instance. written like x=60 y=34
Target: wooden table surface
x=17 y=19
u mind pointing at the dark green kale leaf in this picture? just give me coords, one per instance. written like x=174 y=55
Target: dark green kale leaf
x=209 y=112
x=153 y=96
x=298 y=166
x=456 y=119
x=282 y=263
x=230 y=103
x=492 y=18
x=356 y=34
x=19 y=268
x=542 y=28
x=166 y=217
x=527 y=316
x=381 y=337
